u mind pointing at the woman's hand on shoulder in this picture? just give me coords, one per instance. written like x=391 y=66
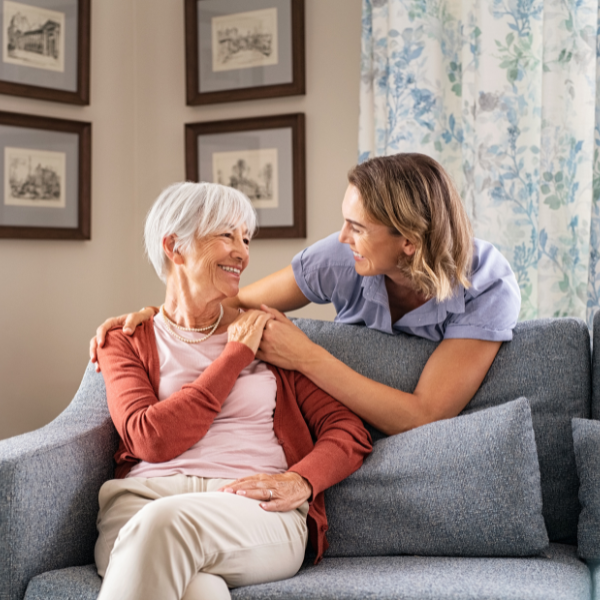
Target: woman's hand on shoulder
x=279 y=493
x=248 y=328
x=129 y=322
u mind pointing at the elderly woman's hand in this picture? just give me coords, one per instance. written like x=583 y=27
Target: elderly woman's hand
x=248 y=328
x=280 y=492
x=283 y=344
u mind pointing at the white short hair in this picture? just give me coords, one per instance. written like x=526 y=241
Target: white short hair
x=191 y=211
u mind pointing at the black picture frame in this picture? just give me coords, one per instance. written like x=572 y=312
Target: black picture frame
x=35 y=210
x=206 y=143
x=287 y=77
x=72 y=85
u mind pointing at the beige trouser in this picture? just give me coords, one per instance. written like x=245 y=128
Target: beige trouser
x=176 y=537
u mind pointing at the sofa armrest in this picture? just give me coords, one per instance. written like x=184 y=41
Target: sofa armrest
x=49 y=482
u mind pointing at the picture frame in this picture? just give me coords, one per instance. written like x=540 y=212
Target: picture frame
x=264 y=157
x=45 y=178
x=243 y=50
x=45 y=49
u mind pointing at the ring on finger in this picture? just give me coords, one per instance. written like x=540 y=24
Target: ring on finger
x=270 y=495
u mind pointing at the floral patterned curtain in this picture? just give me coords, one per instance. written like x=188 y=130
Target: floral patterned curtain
x=503 y=94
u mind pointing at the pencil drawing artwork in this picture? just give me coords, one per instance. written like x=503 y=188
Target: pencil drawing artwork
x=33 y=36
x=34 y=178
x=245 y=40
x=252 y=172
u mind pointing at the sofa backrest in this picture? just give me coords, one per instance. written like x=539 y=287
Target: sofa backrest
x=596 y=368
x=548 y=362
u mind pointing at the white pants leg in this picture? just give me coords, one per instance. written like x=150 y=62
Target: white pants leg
x=171 y=528
x=205 y=586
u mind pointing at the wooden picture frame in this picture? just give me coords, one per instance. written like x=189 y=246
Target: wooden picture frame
x=277 y=69
x=51 y=62
x=267 y=156
x=45 y=178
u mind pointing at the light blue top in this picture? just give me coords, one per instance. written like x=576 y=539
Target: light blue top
x=488 y=310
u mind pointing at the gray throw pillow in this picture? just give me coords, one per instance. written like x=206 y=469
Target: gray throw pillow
x=586 y=440
x=468 y=486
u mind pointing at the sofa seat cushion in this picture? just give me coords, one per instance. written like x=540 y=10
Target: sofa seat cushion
x=468 y=486
x=74 y=583
x=556 y=575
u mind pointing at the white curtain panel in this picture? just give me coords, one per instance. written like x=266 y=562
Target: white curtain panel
x=503 y=93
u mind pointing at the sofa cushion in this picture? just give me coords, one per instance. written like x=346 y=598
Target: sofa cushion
x=548 y=362
x=74 y=583
x=557 y=575
x=468 y=486
x=586 y=439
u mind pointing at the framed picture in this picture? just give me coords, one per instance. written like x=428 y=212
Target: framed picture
x=46 y=49
x=243 y=49
x=263 y=157
x=45 y=167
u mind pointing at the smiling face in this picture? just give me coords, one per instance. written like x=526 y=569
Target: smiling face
x=213 y=266
x=376 y=248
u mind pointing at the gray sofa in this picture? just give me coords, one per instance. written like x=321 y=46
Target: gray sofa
x=484 y=506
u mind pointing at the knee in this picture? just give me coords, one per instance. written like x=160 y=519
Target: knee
x=159 y=518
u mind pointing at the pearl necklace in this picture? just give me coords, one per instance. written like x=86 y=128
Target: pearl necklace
x=181 y=327
x=170 y=324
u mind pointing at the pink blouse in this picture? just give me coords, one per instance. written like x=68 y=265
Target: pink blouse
x=241 y=440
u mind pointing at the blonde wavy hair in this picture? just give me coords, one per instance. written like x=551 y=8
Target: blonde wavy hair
x=414 y=196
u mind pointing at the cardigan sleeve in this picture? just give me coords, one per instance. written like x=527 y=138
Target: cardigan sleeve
x=157 y=431
x=341 y=443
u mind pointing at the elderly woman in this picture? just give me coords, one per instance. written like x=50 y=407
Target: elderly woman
x=216 y=464
x=405 y=261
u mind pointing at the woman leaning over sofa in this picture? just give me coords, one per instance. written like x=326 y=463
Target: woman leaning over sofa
x=404 y=261
x=216 y=463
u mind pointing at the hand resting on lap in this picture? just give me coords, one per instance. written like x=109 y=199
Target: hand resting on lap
x=289 y=490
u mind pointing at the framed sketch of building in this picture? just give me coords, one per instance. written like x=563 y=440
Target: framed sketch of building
x=264 y=158
x=33 y=36
x=45 y=177
x=243 y=49
x=253 y=172
x=45 y=49
x=245 y=40
x=34 y=177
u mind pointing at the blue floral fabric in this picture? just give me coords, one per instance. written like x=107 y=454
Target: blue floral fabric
x=503 y=94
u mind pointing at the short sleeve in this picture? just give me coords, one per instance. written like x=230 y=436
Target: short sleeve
x=492 y=303
x=315 y=269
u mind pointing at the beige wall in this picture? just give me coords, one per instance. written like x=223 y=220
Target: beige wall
x=53 y=294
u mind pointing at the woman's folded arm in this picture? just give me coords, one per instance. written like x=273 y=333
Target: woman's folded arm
x=157 y=431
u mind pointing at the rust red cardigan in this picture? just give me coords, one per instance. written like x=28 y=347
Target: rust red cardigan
x=322 y=440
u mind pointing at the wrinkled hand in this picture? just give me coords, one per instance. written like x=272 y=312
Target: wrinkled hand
x=248 y=328
x=290 y=490
x=283 y=344
x=129 y=323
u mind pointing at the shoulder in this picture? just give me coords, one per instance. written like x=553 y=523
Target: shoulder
x=326 y=253
x=119 y=342
x=489 y=265
x=324 y=269
x=491 y=274
x=493 y=301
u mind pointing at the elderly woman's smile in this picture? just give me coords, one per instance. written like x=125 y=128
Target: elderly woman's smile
x=210 y=270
